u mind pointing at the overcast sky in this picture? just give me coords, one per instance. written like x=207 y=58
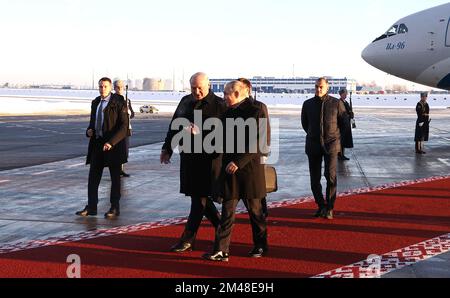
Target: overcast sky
x=67 y=41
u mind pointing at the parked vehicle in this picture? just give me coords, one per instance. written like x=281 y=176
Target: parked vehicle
x=148 y=109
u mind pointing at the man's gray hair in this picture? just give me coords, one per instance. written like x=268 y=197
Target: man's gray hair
x=201 y=75
x=117 y=82
x=236 y=86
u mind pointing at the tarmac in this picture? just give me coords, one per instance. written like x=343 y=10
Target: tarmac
x=43 y=176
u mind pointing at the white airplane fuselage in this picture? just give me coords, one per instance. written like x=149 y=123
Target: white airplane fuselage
x=416 y=48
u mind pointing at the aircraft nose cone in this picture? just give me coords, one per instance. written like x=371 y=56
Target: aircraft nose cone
x=368 y=55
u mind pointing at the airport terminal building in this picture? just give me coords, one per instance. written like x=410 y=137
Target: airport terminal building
x=288 y=85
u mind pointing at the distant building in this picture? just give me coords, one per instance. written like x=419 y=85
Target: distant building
x=52 y=86
x=131 y=84
x=148 y=84
x=370 y=90
x=289 y=85
x=138 y=85
x=168 y=85
x=157 y=84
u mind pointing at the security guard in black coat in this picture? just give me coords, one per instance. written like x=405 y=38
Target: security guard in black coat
x=107 y=131
x=323 y=117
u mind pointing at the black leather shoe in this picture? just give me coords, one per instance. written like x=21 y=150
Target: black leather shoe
x=321 y=212
x=112 y=213
x=181 y=247
x=329 y=214
x=258 y=252
x=218 y=256
x=123 y=174
x=345 y=157
x=86 y=212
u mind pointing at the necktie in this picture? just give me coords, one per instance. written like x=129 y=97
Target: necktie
x=98 y=127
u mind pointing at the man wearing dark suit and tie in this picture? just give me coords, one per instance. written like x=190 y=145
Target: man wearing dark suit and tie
x=107 y=130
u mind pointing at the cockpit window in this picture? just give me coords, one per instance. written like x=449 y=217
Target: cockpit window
x=392 y=30
x=402 y=29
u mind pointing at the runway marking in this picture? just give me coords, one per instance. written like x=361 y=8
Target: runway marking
x=377 y=266
x=4 y=181
x=360 y=169
x=407 y=129
x=43 y=172
x=37 y=128
x=75 y=165
x=445 y=161
x=438 y=136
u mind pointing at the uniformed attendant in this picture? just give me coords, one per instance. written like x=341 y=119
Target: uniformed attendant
x=119 y=88
x=422 y=123
x=346 y=134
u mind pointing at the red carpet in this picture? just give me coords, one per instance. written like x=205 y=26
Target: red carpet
x=300 y=246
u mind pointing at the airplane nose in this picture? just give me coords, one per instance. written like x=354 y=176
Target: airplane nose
x=368 y=55
x=375 y=55
x=371 y=54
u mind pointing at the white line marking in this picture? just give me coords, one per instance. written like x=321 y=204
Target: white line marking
x=75 y=165
x=41 y=173
x=445 y=161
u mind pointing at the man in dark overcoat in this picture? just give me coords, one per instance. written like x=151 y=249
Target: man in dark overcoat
x=119 y=88
x=323 y=117
x=107 y=130
x=242 y=172
x=198 y=169
x=265 y=112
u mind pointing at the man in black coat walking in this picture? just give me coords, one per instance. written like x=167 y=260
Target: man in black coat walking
x=242 y=172
x=265 y=112
x=107 y=130
x=198 y=169
x=323 y=117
